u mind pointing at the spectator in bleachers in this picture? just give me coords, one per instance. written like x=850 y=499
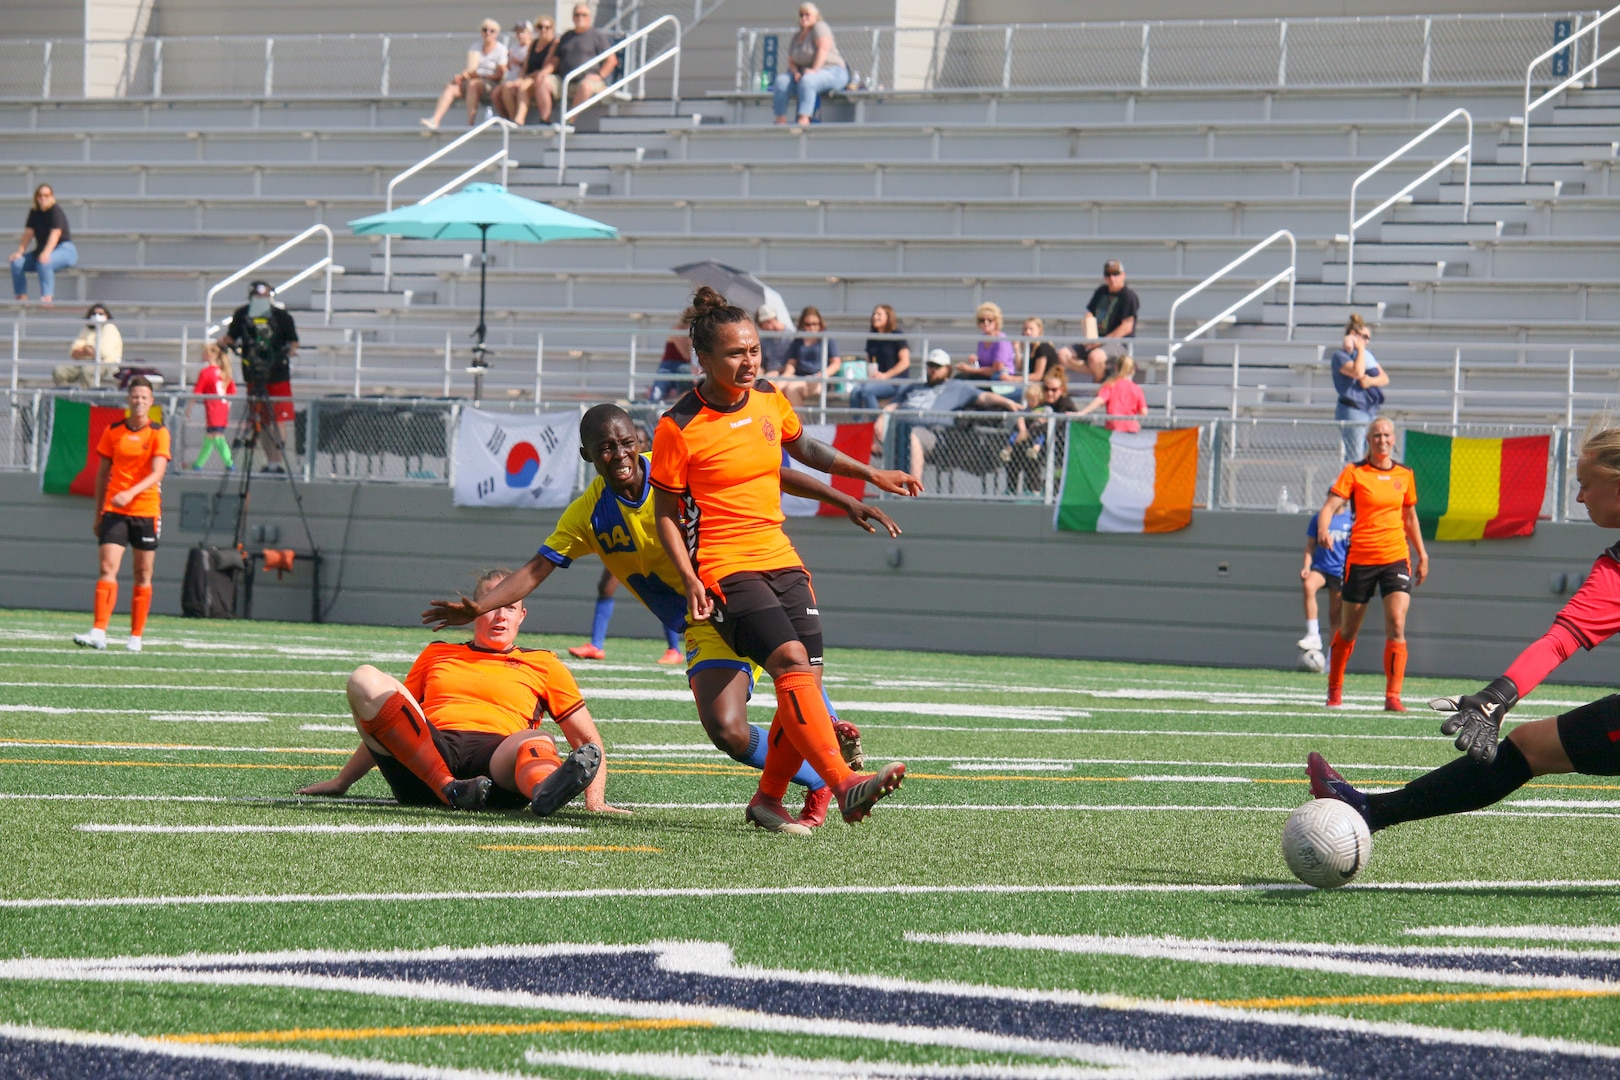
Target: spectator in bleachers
x=814 y=67
x=47 y=226
x=1039 y=354
x=1026 y=456
x=486 y=65
x=574 y=48
x=531 y=85
x=889 y=359
x=804 y=358
x=1119 y=396
x=677 y=360
x=996 y=357
x=1110 y=320
x=1359 y=382
x=773 y=344
x=939 y=394
x=100 y=343
x=505 y=98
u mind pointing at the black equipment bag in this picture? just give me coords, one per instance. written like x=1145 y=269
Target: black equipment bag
x=209 y=590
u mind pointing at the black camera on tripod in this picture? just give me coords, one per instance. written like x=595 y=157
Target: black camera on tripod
x=264 y=358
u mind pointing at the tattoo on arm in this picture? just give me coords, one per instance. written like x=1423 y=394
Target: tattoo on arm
x=820 y=456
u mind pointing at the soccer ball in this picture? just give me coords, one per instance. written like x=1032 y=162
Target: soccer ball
x=1326 y=843
x=1312 y=660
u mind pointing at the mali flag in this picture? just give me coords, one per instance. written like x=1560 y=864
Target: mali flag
x=1474 y=489
x=71 y=460
x=1127 y=481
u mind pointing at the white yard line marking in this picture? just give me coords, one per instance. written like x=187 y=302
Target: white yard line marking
x=348 y=729
x=984 y=807
x=1288 y=955
x=346 y=803
x=58 y=710
x=64 y=744
x=1172 y=779
x=327 y=829
x=1566 y=804
x=1008 y=766
x=210 y=718
x=677 y=1066
x=1540 y=932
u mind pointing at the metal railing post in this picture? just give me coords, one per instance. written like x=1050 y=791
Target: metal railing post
x=539 y=366
x=877 y=57
x=185 y=347
x=447 y=355
x=1456 y=387
x=1006 y=58
x=1146 y=51
x=1217 y=452
x=1049 y=480
x=45 y=77
x=1289 y=273
x=157 y=68
x=269 y=66
x=1236 y=349
x=359 y=348
x=1282 y=53
x=630 y=382
x=1428 y=49
x=387 y=61
x=741 y=60
x=315 y=267
x=626 y=46
x=1575 y=77
x=388 y=198
x=1569 y=393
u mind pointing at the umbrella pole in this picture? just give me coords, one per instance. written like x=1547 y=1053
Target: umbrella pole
x=479 y=363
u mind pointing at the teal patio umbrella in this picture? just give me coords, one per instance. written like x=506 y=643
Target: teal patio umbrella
x=485 y=212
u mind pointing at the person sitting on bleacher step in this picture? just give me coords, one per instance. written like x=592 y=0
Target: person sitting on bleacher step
x=814 y=67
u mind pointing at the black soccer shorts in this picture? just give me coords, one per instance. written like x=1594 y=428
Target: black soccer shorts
x=1591 y=737
x=466 y=754
x=763 y=610
x=1361 y=583
x=140 y=533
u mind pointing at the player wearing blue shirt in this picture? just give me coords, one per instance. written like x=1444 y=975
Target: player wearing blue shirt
x=1324 y=566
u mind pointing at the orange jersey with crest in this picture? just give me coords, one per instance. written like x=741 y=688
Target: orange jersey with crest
x=465 y=688
x=132 y=454
x=1379 y=498
x=725 y=463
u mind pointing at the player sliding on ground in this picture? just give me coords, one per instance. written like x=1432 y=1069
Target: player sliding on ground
x=1383 y=497
x=717 y=456
x=613 y=520
x=463 y=728
x=1586 y=740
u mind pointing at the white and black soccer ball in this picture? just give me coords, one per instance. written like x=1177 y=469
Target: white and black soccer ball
x=1313 y=660
x=1326 y=843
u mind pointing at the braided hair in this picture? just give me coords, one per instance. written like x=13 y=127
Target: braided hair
x=709 y=312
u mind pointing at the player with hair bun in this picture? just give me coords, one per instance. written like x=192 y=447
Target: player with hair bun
x=717 y=456
x=1584 y=740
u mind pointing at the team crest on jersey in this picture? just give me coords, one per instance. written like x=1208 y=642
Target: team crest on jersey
x=767 y=429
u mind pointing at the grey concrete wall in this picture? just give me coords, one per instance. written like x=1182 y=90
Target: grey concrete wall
x=971 y=577
x=1027 y=11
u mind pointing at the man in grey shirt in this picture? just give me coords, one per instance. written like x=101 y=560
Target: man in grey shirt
x=939 y=394
x=576 y=47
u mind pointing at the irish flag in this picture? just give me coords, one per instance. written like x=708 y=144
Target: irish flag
x=71 y=460
x=1477 y=489
x=1128 y=481
x=854 y=440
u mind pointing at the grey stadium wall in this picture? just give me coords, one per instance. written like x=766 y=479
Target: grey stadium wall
x=972 y=577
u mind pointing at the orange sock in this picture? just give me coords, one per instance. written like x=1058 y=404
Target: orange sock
x=106 y=597
x=781 y=761
x=1394 y=667
x=537 y=759
x=1341 y=660
x=802 y=712
x=404 y=733
x=139 y=605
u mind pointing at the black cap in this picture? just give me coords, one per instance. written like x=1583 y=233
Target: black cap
x=260 y=288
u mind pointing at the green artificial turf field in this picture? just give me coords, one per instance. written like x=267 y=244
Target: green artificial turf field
x=1080 y=877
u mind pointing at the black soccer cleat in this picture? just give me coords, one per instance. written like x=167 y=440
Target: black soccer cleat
x=468 y=794
x=564 y=785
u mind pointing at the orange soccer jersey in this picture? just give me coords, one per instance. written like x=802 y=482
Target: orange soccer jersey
x=1378 y=497
x=465 y=688
x=725 y=463
x=132 y=454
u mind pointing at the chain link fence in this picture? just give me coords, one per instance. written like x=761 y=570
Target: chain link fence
x=1455 y=50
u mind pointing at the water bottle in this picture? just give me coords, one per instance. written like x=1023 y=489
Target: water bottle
x=1285 y=505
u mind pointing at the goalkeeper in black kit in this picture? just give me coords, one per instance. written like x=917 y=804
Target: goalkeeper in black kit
x=1585 y=740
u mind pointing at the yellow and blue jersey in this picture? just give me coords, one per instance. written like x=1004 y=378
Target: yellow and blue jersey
x=624 y=535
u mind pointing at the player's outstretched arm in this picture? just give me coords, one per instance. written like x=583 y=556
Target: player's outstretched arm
x=823 y=458
x=1414 y=540
x=578 y=728
x=667 y=512
x=512 y=588
x=360 y=762
x=1324 y=519
x=796 y=482
x=1476 y=719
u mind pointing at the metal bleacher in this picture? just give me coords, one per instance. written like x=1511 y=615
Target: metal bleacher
x=931 y=199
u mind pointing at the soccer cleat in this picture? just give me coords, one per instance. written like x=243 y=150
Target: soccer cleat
x=769 y=814
x=566 y=782
x=1309 y=642
x=92 y=640
x=134 y=643
x=849 y=744
x=857 y=794
x=814 y=812
x=1392 y=703
x=672 y=657
x=1326 y=783
x=587 y=651
x=1335 y=696
x=468 y=794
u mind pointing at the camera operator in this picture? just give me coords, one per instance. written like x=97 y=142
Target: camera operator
x=264 y=335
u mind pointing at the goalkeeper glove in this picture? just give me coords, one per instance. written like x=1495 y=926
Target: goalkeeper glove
x=1477 y=718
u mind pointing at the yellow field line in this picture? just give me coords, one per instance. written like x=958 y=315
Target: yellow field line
x=155 y=764
x=334 y=1034
x=569 y=847
x=1409 y=999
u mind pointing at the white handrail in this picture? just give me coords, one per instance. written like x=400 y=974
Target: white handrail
x=316 y=267
x=673 y=52
x=503 y=156
x=1573 y=78
x=1466 y=152
x=1290 y=273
